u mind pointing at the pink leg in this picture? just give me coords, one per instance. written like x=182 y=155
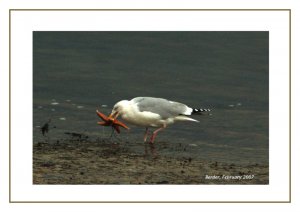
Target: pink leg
x=154 y=134
x=146 y=134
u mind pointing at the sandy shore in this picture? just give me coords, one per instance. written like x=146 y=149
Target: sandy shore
x=103 y=162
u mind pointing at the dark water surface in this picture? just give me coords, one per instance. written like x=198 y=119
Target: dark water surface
x=75 y=73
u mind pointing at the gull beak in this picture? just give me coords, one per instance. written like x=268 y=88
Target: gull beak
x=113 y=116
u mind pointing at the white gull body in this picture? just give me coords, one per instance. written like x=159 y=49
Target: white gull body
x=153 y=112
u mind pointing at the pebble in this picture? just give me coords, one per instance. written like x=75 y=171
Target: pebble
x=79 y=107
x=193 y=145
x=230 y=105
x=62 y=118
x=54 y=103
x=103 y=105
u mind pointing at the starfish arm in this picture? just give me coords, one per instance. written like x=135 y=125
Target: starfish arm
x=103 y=123
x=121 y=124
x=102 y=116
x=117 y=128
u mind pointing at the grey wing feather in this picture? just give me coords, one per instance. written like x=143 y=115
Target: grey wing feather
x=163 y=107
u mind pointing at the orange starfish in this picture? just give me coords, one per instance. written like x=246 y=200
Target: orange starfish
x=109 y=121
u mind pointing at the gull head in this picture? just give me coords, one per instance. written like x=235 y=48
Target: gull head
x=119 y=109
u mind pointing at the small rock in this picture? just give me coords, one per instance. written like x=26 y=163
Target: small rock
x=193 y=145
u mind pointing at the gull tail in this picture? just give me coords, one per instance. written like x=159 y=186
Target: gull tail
x=200 y=111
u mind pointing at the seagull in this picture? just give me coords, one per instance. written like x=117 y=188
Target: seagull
x=153 y=112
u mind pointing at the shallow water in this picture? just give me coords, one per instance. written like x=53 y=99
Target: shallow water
x=75 y=73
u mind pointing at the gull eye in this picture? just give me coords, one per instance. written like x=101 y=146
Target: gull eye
x=116 y=108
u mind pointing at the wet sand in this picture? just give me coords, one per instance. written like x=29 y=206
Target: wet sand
x=107 y=162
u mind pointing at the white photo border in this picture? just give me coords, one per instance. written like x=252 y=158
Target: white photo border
x=24 y=22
